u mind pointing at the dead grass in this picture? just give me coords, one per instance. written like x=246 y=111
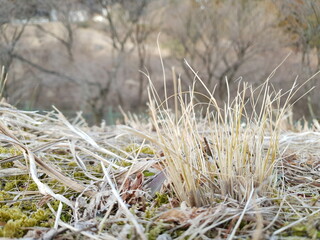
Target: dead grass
x=241 y=170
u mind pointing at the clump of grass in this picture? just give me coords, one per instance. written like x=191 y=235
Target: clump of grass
x=231 y=151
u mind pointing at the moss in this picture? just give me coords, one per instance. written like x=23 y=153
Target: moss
x=79 y=175
x=66 y=210
x=12 y=229
x=66 y=217
x=55 y=204
x=41 y=216
x=15 y=221
x=6 y=165
x=26 y=205
x=10 y=185
x=149 y=213
x=148 y=150
x=155 y=231
x=57 y=186
x=156 y=228
x=4 y=196
x=313 y=226
x=161 y=199
x=32 y=187
x=72 y=164
x=135 y=148
x=309 y=229
x=299 y=230
x=8 y=152
x=16 y=182
x=96 y=168
x=125 y=163
x=7 y=214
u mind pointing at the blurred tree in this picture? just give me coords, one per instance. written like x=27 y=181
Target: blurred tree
x=218 y=37
x=301 y=20
x=129 y=25
x=14 y=16
x=143 y=30
x=63 y=13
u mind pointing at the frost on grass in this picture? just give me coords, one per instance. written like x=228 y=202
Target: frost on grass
x=239 y=170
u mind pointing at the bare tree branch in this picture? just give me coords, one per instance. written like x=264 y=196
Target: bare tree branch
x=45 y=70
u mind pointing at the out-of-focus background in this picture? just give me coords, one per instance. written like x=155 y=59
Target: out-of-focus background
x=92 y=55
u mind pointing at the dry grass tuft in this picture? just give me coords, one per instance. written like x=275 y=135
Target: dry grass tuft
x=230 y=151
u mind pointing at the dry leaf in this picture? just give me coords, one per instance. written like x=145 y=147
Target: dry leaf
x=130 y=191
x=175 y=215
x=180 y=216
